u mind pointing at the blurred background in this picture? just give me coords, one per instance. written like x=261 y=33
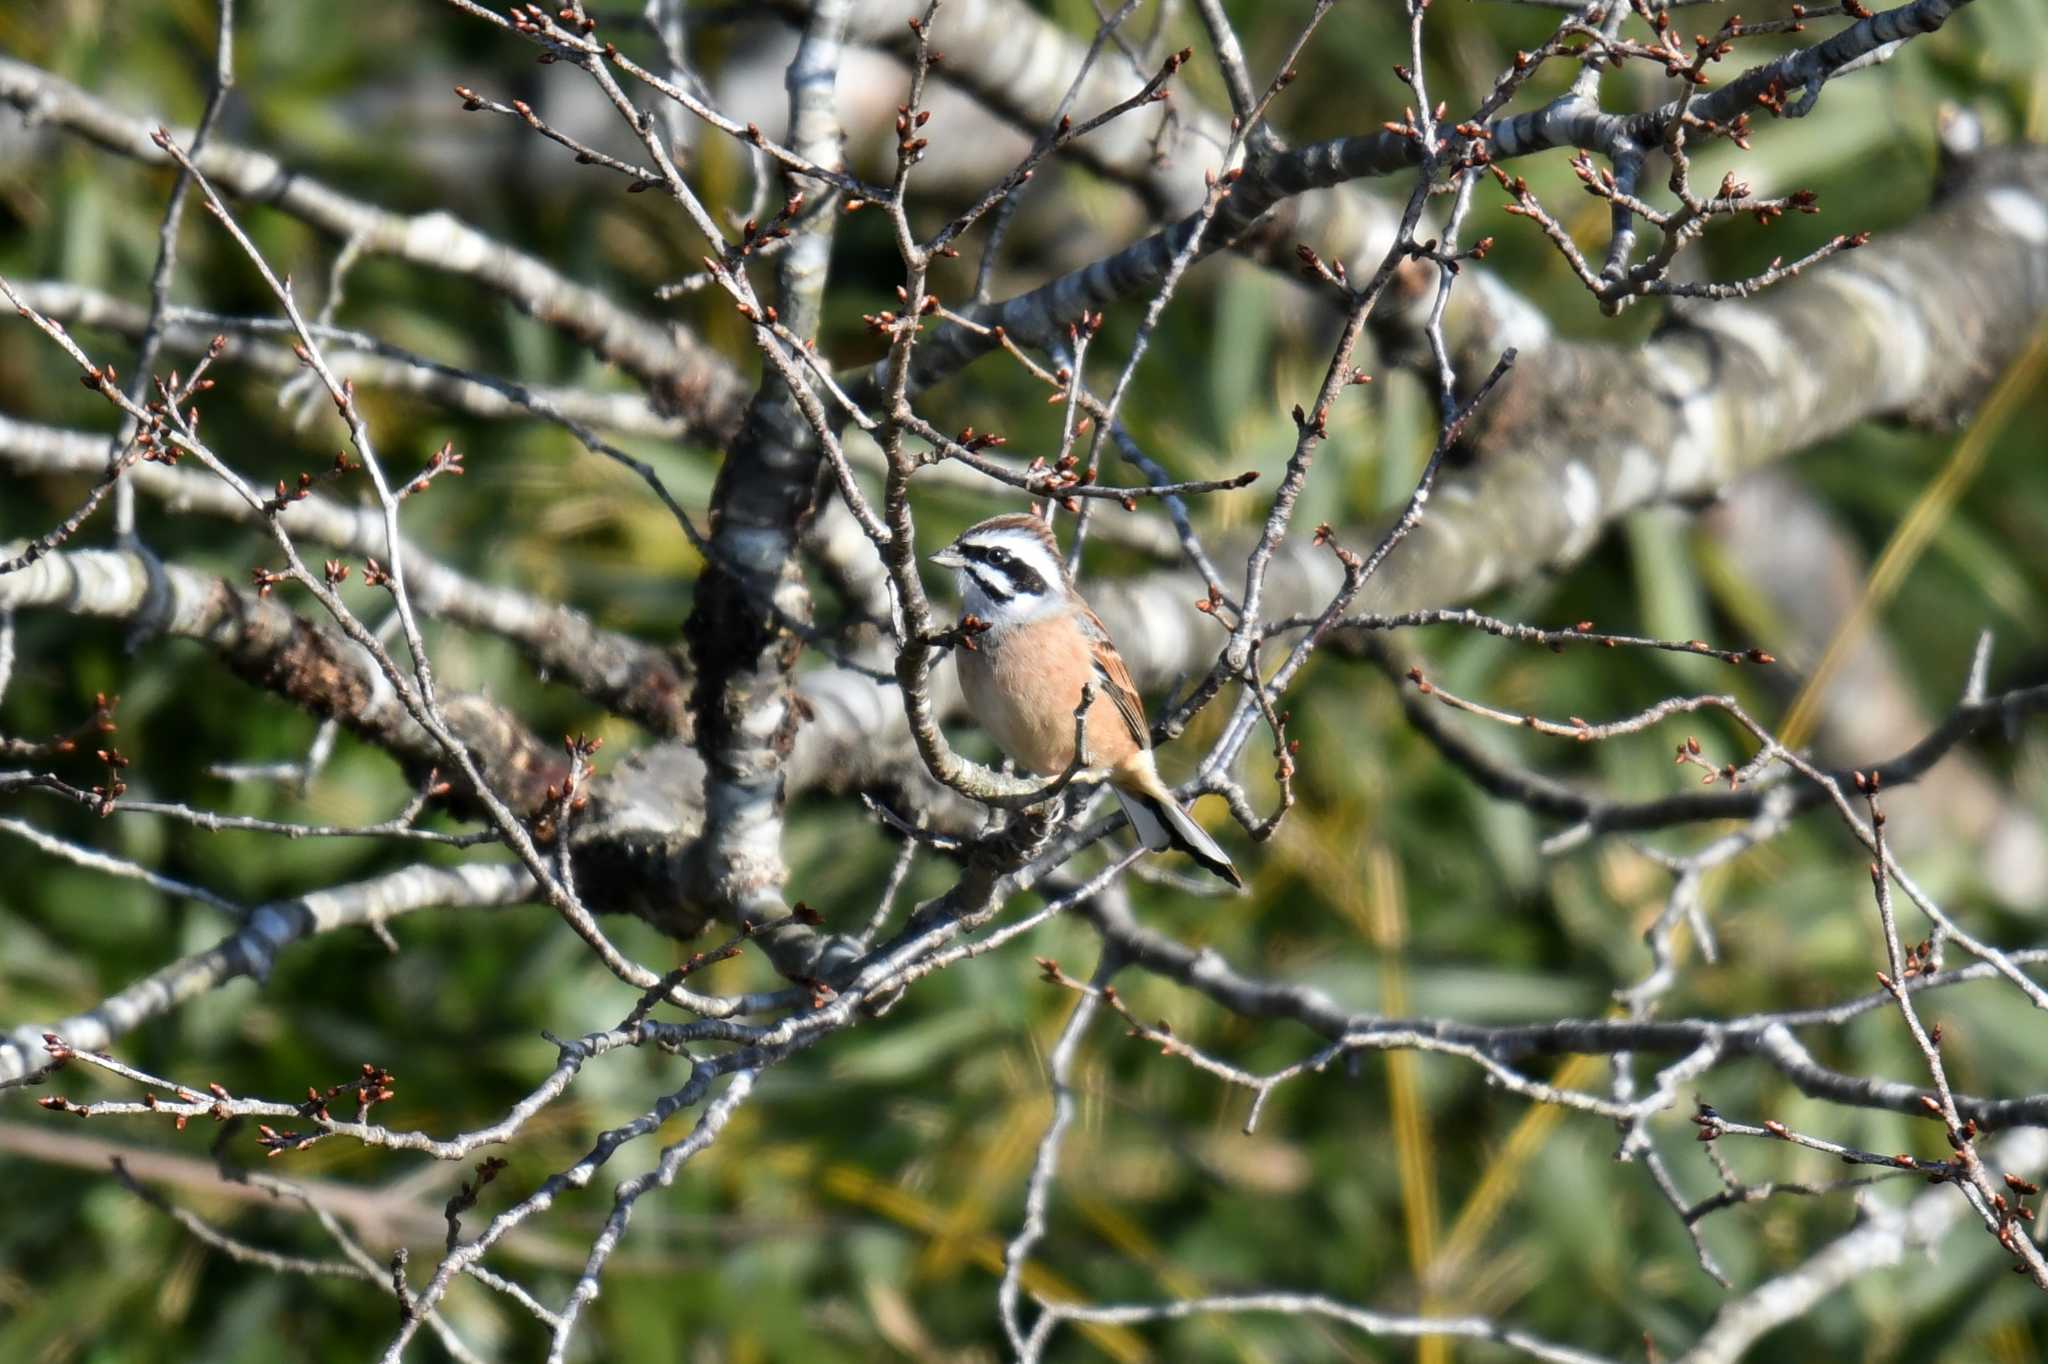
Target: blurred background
x=857 y=1210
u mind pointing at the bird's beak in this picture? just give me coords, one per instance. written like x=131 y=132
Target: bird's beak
x=950 y=557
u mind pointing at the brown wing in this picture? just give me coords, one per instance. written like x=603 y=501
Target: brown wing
x=1113 y=677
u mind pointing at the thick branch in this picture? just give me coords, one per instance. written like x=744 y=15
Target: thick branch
x=252 y=950
x=682 y=373
x=1914 y=327
x=623 y=674
x=307 y=662
x=1037 y=318
x=367 y=361
x=739 y=632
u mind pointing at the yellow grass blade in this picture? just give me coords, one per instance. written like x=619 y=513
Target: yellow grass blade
x=1921 y=521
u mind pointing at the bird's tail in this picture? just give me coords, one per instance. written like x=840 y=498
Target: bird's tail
x=1161 y=824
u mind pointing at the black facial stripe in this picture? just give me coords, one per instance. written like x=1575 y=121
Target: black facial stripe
x=1024 y=580
x=990 y=583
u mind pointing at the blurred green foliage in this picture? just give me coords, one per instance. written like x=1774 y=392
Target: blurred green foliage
x=856 y=1208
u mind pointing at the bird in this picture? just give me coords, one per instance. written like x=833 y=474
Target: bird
x=1023 y=676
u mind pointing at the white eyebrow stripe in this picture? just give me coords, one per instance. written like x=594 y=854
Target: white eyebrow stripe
x=1027 y=547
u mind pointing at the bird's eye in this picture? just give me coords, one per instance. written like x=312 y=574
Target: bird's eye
x=999 y=557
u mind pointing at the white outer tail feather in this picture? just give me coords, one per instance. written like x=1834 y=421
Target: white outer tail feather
x=1160 y=824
